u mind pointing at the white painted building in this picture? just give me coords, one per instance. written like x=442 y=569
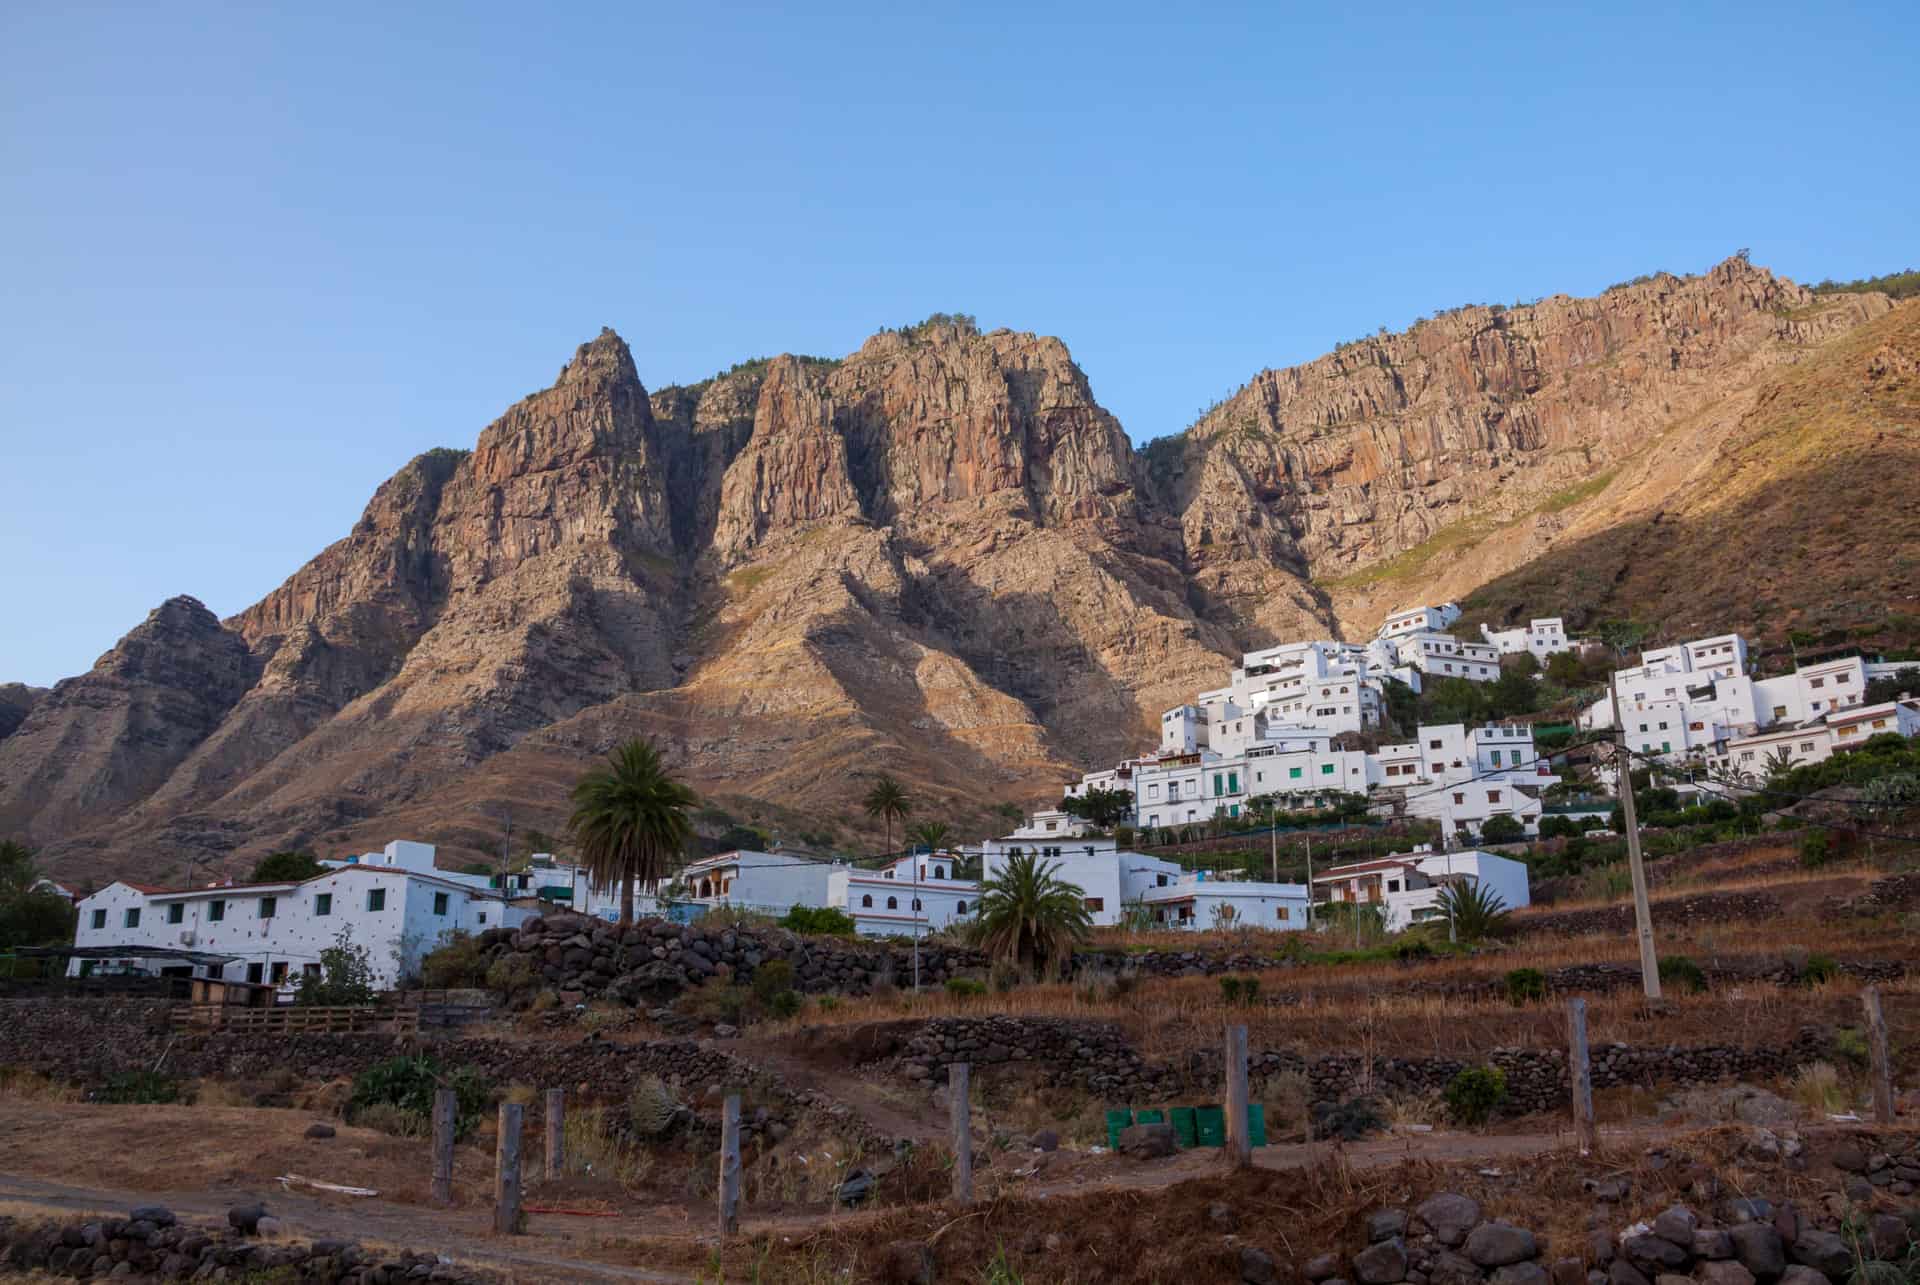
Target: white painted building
x=889 y=903
x=1407 y=886
x=1051 y=833
x=1443 y=656
x=1417 y=620
x=1108 y=880
x=1198 y=901
x=1541 y=638
x=772 y=882
x=1694 y=699
x=276 y=931
x=1462 y=777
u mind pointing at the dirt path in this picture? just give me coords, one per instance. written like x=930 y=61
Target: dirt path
x=558 y=1247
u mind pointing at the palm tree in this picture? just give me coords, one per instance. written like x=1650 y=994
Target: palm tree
x=1029 y=915
x=1778 y=763
x=630 y=820
x=887 y=800
x=934 y=835
x=1475 y=910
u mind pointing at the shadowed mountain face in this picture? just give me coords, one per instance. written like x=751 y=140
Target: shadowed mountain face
x=937 y=557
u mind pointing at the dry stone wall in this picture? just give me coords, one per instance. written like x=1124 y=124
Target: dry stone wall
x=1097 y=1057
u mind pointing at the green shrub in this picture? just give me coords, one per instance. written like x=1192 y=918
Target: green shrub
x=1240 y=991
x=1850 y=1045
x=1816 y=849
x=653 y=1108
x=1474 y=1093
x=826 y=1003
x=784 y=1004
x=1004 y=976
x=818 y=921
x=345 y=977
x=1413 y=947
x=1524 y=984
x=456 y=963
x=1818 y=970
x=407 y=1085
x=139 y=1088
x=1682 y=973
x=965 y=987
x=511 y=976
x=772 y=978
x=715 y=1003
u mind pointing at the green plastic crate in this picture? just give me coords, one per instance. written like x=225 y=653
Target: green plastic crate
x=1257 y=1124
x=1212 y=1125
x=1186 y=1131
x=1149 y=1117
x=1116 y=1121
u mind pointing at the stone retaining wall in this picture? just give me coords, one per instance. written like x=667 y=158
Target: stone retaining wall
x=1096 y=1056
x=1706 y=909
x=85 y=1041
x=152 y=1245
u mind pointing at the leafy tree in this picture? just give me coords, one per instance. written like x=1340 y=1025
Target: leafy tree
x=1889 y=688
x=1502 y=829
x=1564 y=669
x=286 y=867
x=1102 y=807
x=1514 y=692
x=1477 y=911
x=818 y=921
x=931 y=834
x=889 y=801
x=29 y=916
x=1030 y=916
x=345 y=976
x=630 y=820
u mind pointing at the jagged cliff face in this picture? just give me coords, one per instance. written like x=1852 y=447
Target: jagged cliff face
x=937 y=557
x=1481 y=415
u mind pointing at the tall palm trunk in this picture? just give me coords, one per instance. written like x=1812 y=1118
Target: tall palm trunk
x=626 y=901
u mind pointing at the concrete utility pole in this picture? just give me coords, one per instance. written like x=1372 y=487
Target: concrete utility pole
x=1642 y=912
x=916 y=917
x=1309 y=879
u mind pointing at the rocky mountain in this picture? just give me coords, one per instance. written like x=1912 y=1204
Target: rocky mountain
x=938 y=556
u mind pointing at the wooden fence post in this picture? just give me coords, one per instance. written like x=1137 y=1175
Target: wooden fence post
x=443 y=1121
x=1239 y=1136
x=1882 y=1060
x=730 y=1165
x=506 y=1171
x=959 y=1116
x=1580 y=1077
x=556 y=1132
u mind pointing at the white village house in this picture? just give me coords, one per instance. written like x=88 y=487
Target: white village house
x=392 y=902
x=1407 y=886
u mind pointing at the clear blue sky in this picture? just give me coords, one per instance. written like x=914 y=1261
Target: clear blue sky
x=257 y=256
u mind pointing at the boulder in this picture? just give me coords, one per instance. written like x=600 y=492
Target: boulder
x=1045 y=1140
x=270 y=1227
x=1823 y=1251
x=245 y=1219
x=1497 y=1244
x=1677 y=1224
x=1621 y=1272
x=1850 y=1157
x=1381 y=1263
x=1801 y=1274
x=1147 y=1141
x=1449 y=1215
x=1567 y=1271
x=1449 y=1268
x=1712 y=1243
x=1385 y=1224
x=1521 y=1274
x=319 y=1131
x=1257 y=1267
x=1221 y=1218
x=158 y=1215
x=1758 y=1248
x=1655 y=1254
x=1723 y=1272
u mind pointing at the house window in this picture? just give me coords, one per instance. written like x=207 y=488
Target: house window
x=1459 y=798
x=176 y=913
x=133 y=918
x=939 y=872
x=323 y=904
x=960 y=908
x=1160 y=881
x=1233 y=783
x=1818 y=682
x=267 y=906
x=1280 y=912
x=893 y=903
x=216 y=910
x=1293 y=774
x=483 y=916
x=1666 y=747
x=1779 y=711
x=866 y=902
x=1326 y=769
x=99 y=919
x=255 y=973
x=279 y=973
x=1096 y=903
x=1433 y=745
x=1493 y=796
x=439 y=903
x=376 y=900
x=1806 y=747
x=916 y=903
x=1496 y=758
x=1393 y=885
